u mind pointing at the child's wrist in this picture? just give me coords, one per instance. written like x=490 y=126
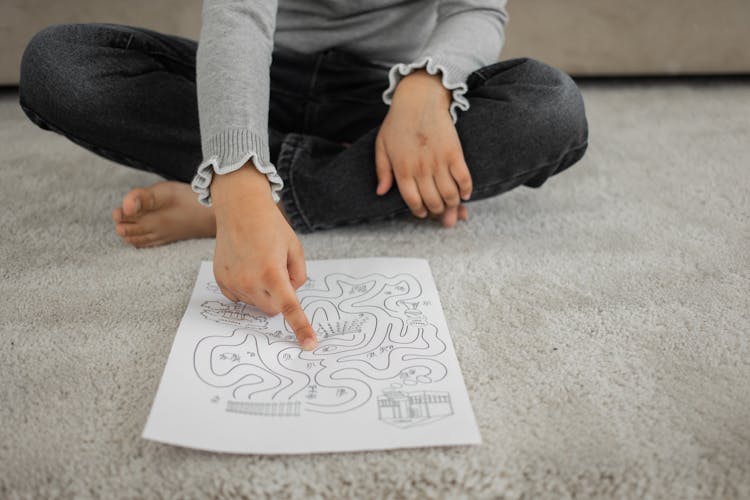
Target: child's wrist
x=420 y=84
x=246 y=185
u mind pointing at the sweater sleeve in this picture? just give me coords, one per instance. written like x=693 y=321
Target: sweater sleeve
x=233 y=62
x=469 y=34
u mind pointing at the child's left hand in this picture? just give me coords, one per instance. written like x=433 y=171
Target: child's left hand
x=419 y=146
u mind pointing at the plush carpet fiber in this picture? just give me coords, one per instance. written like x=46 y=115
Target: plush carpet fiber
x=601 y=322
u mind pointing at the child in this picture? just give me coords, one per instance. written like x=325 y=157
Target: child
x=295 y=116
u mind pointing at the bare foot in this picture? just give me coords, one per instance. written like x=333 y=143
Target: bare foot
x=162 y=213
x=165 y=212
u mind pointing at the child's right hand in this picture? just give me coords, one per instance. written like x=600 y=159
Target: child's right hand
x=418 y=147
x=259 y=259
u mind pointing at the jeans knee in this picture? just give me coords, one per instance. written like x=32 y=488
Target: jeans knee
x=41 y=65
x=547 y=98
x=560 y=100
x=550 y=101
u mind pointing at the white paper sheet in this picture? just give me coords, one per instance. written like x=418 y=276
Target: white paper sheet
x=384 y=375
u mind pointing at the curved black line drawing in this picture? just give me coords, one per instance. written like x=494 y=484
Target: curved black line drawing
x=371 y=330
x=406 y=409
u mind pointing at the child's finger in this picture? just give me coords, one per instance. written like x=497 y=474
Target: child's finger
x=295 y=263
x=288 y=302
x=460 y=172
x=383 y=169
x=450 y=216
x=463 y=212
x=448 y=188
x=430 y=195
x=409 y=192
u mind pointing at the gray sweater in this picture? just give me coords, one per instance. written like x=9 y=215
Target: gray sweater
x=450 y=37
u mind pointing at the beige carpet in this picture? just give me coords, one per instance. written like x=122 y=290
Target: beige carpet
x=601 y=322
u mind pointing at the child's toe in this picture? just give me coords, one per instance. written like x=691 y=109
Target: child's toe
x=128 y=229
x=138 y=201
x=143 y=241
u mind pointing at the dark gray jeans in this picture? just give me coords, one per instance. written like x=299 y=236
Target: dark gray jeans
x=128 y=94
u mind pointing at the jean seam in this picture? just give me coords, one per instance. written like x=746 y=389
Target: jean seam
x=480 y=74
x=170 y=57
x=375 y=218
x=324 y=99
x=314 y=77
x=163 y=55
x=300 y=148
x=290 y=201
x=147 y=48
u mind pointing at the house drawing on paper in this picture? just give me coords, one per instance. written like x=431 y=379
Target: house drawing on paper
x=407 y=409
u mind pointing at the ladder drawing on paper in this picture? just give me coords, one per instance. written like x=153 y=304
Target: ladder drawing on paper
x=273 y=409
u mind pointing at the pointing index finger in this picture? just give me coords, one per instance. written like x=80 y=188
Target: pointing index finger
x=295 y=316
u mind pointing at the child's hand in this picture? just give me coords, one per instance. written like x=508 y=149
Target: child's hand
x=259 y=259
x=419 y=146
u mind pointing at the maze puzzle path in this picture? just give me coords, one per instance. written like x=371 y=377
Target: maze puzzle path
x=370 y=329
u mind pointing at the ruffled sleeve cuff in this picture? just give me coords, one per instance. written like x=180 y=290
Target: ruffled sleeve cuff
x=228 y=151
x=449 y=79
